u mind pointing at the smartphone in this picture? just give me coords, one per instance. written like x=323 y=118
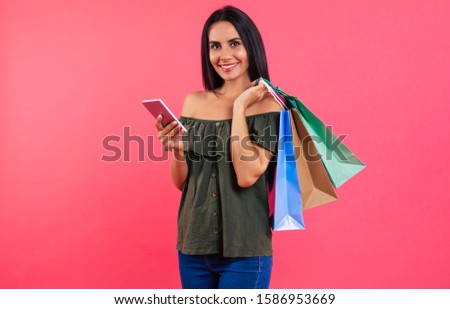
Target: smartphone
x=157 y=107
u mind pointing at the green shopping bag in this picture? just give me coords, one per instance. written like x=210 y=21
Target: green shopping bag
x=340 y=163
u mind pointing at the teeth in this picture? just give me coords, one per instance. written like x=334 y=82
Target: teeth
x=226 y=67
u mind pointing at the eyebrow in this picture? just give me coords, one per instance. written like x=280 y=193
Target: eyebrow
x=229 y=41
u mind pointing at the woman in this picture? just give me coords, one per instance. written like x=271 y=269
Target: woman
x=223 y=163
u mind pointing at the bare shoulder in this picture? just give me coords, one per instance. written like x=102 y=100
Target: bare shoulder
x=191 y=102
x=267 y=105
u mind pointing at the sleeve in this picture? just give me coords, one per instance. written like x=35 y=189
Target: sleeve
x=263 y=130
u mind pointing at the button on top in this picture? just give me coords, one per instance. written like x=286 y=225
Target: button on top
x=215 y=232
x=214 y=194
x=213 y=175
x=217 y=124
x=214 y=213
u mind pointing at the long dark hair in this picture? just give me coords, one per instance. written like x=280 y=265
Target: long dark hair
x=251 y=38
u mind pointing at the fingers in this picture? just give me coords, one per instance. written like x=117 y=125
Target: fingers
x=261 y=86
x=158 y=123
x=259 y=91
x=169 y=134
x=163 y=130
x=168 y=131
x=263 y=91
x=257 y=81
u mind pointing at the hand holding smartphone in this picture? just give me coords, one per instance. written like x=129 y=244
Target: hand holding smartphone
x=157 y=107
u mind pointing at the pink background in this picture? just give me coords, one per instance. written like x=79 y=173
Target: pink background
x=74 y=72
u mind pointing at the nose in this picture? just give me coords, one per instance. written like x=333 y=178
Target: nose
x=226 y=54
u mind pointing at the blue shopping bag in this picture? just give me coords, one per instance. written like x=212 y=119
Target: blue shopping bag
x=288 y=198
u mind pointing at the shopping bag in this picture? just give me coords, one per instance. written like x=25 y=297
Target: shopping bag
x=288 y=213
x=340 y=163
x=315 y=185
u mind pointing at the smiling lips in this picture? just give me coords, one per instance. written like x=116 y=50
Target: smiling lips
x=228 y=67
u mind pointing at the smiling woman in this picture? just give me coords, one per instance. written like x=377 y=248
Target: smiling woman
x=240 y=30
x=227 y=56
x=224 y=163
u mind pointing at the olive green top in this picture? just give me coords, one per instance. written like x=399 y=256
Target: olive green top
x=216 y=216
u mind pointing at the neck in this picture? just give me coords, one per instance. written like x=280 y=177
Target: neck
x=233 y=88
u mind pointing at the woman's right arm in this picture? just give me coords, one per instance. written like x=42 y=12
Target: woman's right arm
x=170 y=137
x=178 y=168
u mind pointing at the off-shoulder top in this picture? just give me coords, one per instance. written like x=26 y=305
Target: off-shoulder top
x=216 y=216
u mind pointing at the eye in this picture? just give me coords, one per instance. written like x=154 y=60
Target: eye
x=214 y=46
x=235 y=43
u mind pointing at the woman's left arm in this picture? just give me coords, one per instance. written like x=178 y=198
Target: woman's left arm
x=249 y=159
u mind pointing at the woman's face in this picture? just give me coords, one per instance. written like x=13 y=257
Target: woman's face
x=227 y=53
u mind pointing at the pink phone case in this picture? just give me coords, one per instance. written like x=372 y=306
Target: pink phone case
x=157 y=107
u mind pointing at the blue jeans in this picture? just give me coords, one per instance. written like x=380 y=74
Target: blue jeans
x=213 y=271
